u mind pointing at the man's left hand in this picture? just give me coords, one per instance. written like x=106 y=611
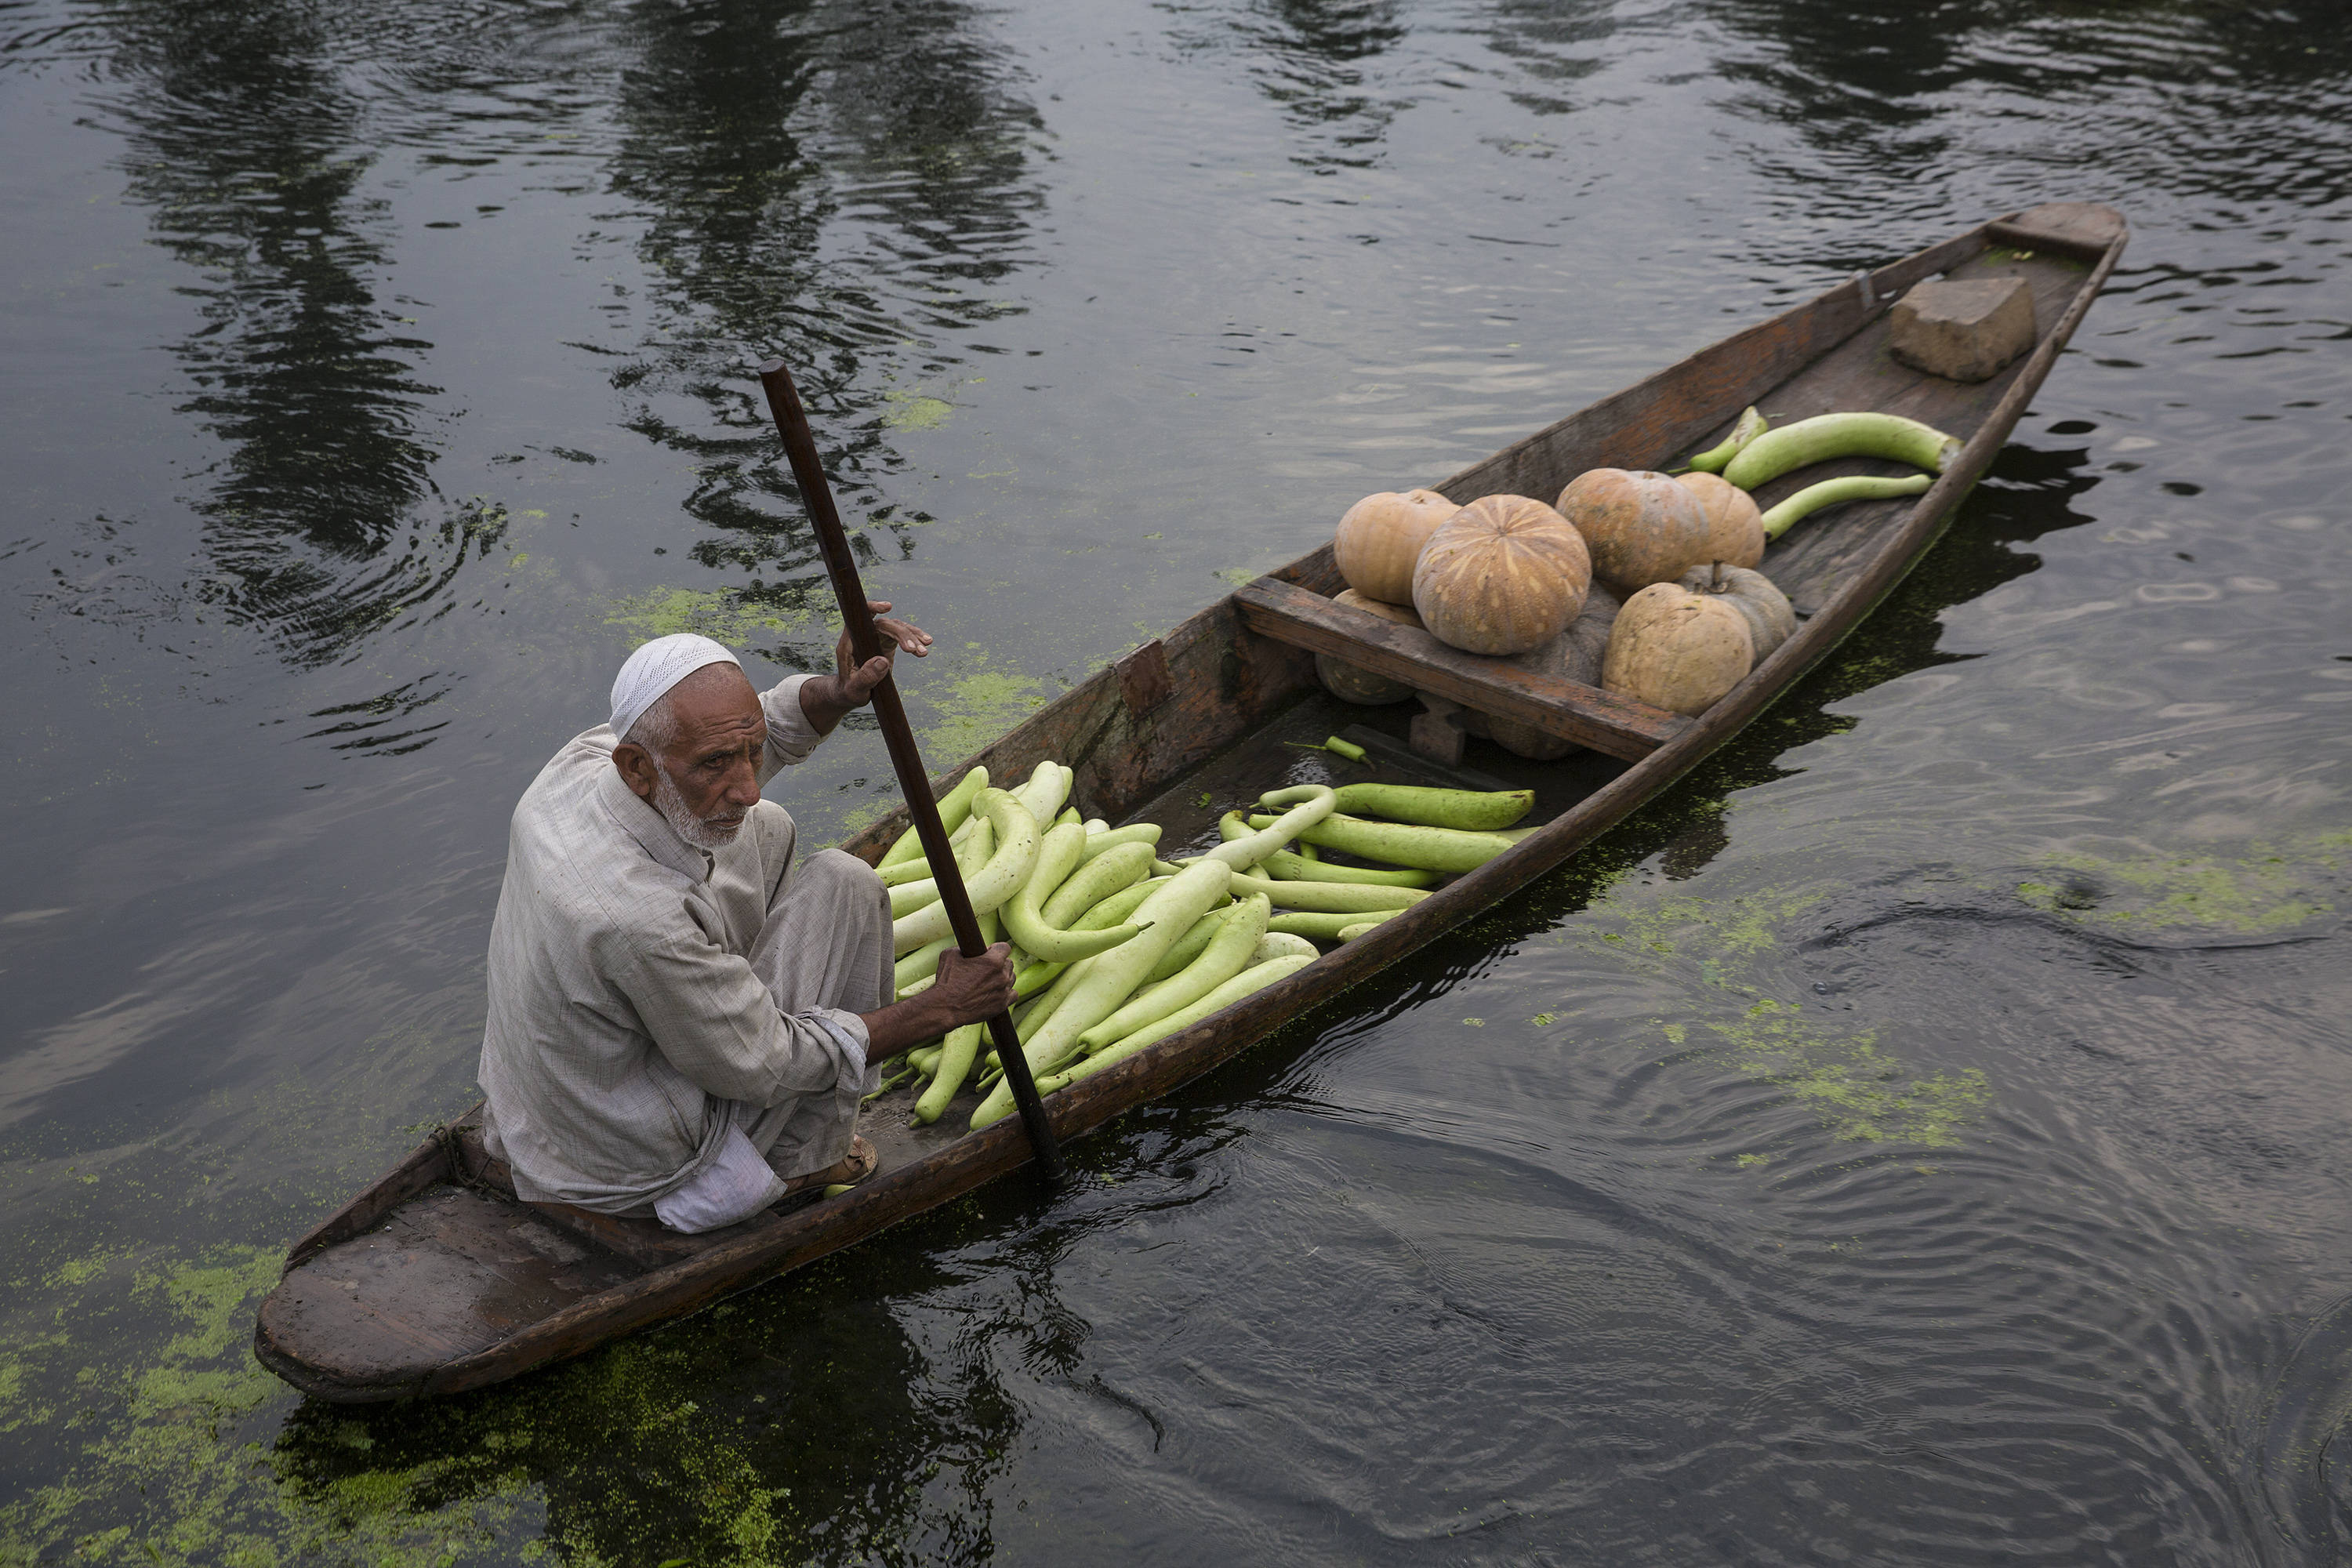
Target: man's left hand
x=851 y=686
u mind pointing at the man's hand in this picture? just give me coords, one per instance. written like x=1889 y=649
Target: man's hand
x=964 y=991
x=829 y=701
x=971 y=989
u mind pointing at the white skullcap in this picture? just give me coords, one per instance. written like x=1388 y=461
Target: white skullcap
x=653 y=669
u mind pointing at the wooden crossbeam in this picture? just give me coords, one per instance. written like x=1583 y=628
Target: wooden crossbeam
x=1619 y=726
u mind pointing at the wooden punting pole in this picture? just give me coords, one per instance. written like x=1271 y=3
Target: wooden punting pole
x=905 y=759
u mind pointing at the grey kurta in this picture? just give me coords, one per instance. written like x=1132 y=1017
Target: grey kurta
x=646 y=997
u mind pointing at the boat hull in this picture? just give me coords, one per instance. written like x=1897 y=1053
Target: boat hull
x=437 y=1279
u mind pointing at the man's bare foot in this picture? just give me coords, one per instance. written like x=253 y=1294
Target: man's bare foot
x=849 y=1170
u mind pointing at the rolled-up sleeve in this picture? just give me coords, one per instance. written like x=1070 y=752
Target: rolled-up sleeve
x=714 y=1021
x=791 y=736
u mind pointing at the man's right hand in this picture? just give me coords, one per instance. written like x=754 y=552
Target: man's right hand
x=964 y=991
x=972 y=989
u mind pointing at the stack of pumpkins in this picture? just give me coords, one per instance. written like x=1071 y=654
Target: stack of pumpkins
x=1638 y=582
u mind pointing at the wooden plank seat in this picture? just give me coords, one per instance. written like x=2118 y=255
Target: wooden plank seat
x=1616 y=726
x=647 y=1243
x=2085 y=229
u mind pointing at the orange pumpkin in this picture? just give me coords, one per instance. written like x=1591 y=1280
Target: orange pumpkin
x=1504 y=574
x=1380 y=538
x=1771 y=619
x=1735 y=528
x=1677 y=650
x=1641 y=527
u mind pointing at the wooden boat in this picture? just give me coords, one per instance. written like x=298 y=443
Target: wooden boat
x=436 y=1279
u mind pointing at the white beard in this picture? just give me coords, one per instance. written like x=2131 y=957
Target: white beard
x=700 y=832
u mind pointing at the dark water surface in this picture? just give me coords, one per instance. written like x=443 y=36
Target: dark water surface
x=1922 y=1139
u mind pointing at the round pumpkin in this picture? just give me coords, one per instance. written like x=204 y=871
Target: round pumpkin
x=1735 y=528
x=1574 y=655
x=1504 y=574
x=1350 y=684
x=1771 y=620
x=1380 y=538
x=1677 y=650
x=1641 y=527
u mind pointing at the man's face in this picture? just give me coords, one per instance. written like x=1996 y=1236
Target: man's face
x=706 y=781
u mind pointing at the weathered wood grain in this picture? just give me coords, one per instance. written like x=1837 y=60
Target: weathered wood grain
x=452 y=1272
x=2087 y=229
x=1814 y=559
x=1619 y=726
x=1143 y=680
x=426 y=1164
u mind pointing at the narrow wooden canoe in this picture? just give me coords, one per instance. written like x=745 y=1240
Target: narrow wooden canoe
x=436 y=1279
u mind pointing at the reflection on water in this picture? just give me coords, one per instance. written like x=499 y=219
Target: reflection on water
x=748 y=150
x=750 y=142
x=814 y=1431
x=247 y=146
x=1312 y=61
x=1551 y=50
x=2303 y=1483
x=1920 y=1128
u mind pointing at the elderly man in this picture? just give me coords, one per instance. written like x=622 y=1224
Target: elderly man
x=681 y=1022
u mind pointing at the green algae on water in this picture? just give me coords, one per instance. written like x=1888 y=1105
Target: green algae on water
x=857 y=818
x=168 y=1444
x=915 y=411
x=158 y=1452
x=2271 y=889
x=1860 y=1093
x=720 y=614
x=976 y=706
x=1726 y=937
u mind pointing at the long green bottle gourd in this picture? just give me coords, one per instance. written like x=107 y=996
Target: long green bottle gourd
x=1112 y=976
